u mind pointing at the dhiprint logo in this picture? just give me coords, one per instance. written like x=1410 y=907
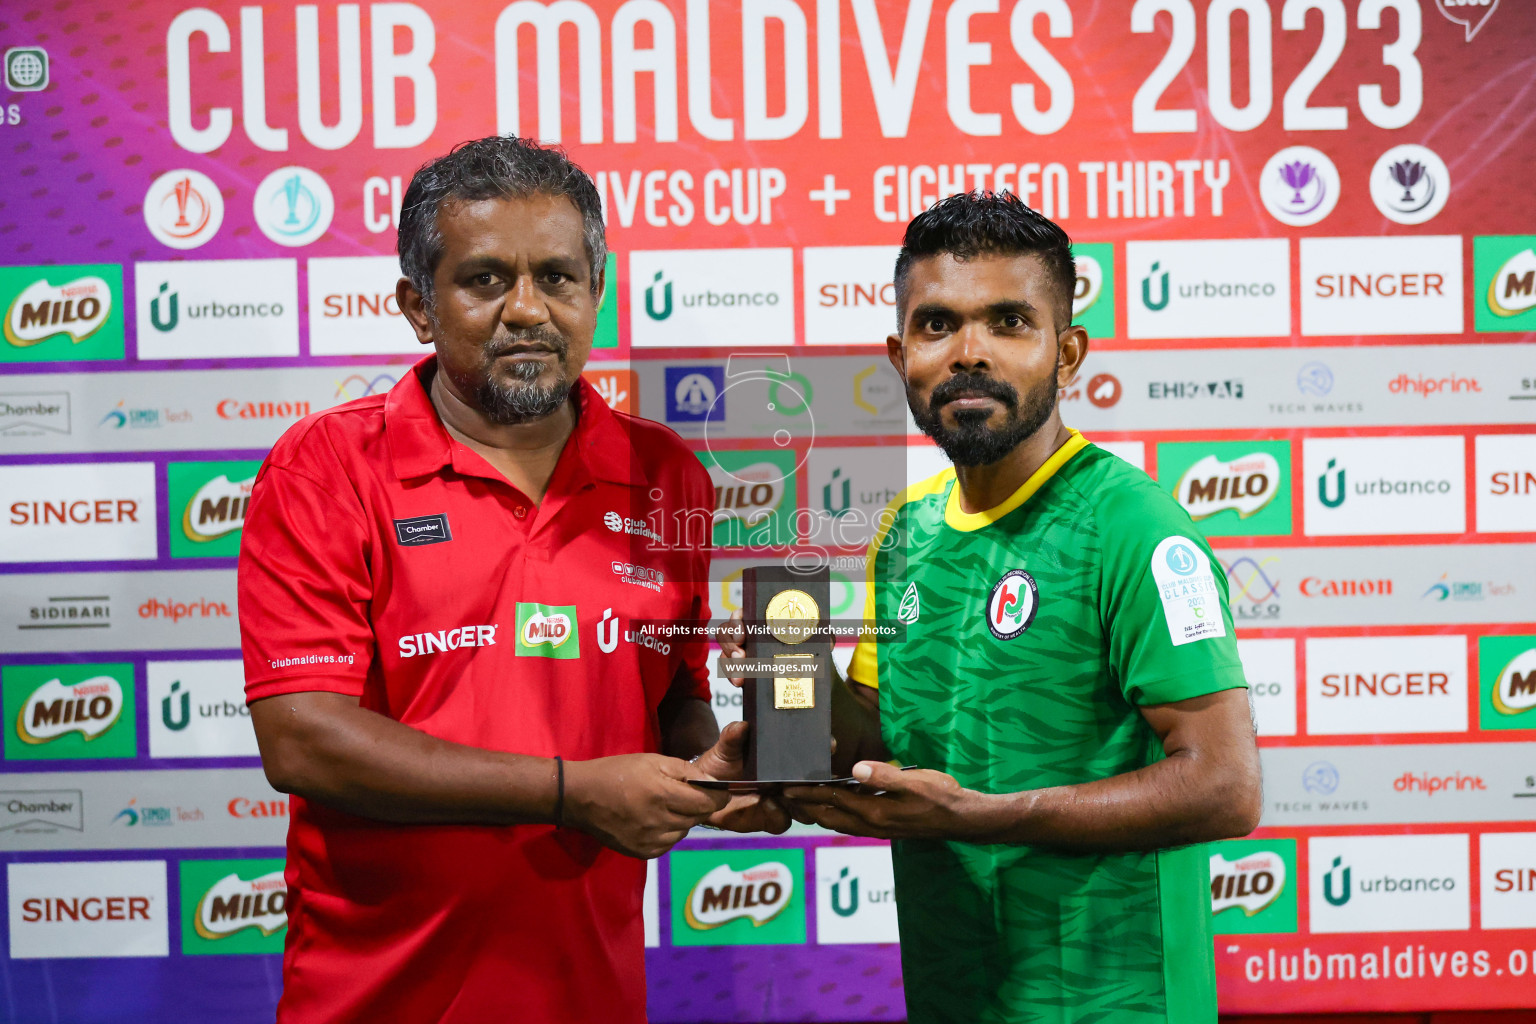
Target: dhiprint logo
x=1253 y=888
x=1410 y=184
x=293 y=206
x=1504 y=283
x=183 y=209
x=547 y=631
x=1012 y=604
x=1299 y=186
x=1389 y=883
x=696 y=297
x=1226 y=288
x=738 y=897
x=1364 y=486
x=855 y=895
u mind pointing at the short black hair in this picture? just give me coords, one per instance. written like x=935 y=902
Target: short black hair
x=496 y=167
x=994 y=223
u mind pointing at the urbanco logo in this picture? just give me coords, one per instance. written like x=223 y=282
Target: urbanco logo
x=855 y=895
x=1228 y=288
x=202 y=309
x=1389 y=883
x=1362 y=486
x=697 y=297
x=198 y=709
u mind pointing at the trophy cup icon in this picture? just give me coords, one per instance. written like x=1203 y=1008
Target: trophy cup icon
x=1297 y=176
x=1407 y=173
x=183 y=191
x=291 y=189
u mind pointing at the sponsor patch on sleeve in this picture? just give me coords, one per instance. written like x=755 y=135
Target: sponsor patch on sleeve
x=1187 y=588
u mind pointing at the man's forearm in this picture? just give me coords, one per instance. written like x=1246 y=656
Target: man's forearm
x=1175 y=802
x=326 y=748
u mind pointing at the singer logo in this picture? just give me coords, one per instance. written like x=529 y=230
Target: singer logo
x=758 y=894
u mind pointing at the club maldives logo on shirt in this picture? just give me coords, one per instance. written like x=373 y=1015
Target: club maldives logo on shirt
x=69 y=711
x=547 y=631
x=1253 y=888
x=60 y=313
x=213 y=498
x=233 y=906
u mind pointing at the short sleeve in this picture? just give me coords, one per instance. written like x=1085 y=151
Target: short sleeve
x=304 y=589
x=1163 y=601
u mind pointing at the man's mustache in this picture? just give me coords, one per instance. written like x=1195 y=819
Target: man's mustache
x=506 y=343
x=973 y=385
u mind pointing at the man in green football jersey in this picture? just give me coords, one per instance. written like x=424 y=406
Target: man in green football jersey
x=1068 y=684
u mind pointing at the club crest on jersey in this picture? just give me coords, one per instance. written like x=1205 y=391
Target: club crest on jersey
x=1012 y=606
x=910 y=608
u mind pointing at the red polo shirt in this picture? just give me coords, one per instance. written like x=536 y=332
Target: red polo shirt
x=384 y=559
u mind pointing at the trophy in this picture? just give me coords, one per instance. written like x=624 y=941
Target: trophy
x=788 y=712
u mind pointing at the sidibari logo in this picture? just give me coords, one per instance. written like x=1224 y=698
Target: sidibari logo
x=1252 y=882
x=217 y=508
x=76 y=308
x=1245 y=485
x=89 y=707
x=547 y=631
x=1513 y=288
x=234 y=904
x=1514 y=690
x=760 y=893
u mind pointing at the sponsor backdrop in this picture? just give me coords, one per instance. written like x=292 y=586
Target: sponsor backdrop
x=1299 y=229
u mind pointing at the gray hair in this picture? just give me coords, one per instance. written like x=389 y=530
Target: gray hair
x=497 y=167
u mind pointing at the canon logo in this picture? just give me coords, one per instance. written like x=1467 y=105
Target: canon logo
x=235 y=409
x=91 y=908
x=240 y=807
x=1313 y=586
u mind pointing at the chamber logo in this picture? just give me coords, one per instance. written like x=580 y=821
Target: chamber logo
x=89 y=707
x=1410 y=184
x=1299 y=186
x=759 y=894
x=547 y=631
x=234 y=904
x=293 y=206
x=77 y=308
x=183 y=209
x=1252 y=882
x=1011 y=606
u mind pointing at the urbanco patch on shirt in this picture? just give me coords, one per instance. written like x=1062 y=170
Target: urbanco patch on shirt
x=547 y=631
x=419 y=530
x=1187 y=587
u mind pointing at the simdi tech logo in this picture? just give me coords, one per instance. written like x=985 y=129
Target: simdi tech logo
x=1253 y=886
x=1507 y=681
x=233 y=906
x=208 y=502
x=62 y=313
x=1230 y=488
x=738 y=897
x=65 y=712
x=1504 y=283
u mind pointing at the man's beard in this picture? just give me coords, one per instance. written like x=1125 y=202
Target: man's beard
x=972 y=442
x=523 y=398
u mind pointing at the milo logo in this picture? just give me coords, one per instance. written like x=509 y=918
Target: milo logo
x=217 y=508
x=76 y=308
x=547 y=631
x=234 y=904
x=1514 y=691
x=89 y=707
x=759 y=893
x=1251 y=882
x=1245 y=485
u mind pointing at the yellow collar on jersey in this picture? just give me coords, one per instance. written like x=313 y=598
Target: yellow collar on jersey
x=968 y=521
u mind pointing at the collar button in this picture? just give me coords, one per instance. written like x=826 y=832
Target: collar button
x=520 y=511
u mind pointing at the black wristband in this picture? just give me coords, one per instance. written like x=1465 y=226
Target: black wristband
x=559 y=792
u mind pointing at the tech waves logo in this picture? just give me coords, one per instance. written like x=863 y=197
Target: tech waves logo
x=759 y=893
x=77 y=308
x=1245 y=485
x=1252 y=882
x=234 y=904
x=217 y=509
x=89 y=707
x=1514 y=690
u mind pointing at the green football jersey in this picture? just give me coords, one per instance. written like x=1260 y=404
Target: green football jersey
x=1034 y=632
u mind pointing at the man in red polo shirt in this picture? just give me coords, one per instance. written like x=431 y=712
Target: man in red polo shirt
x=438 y=592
